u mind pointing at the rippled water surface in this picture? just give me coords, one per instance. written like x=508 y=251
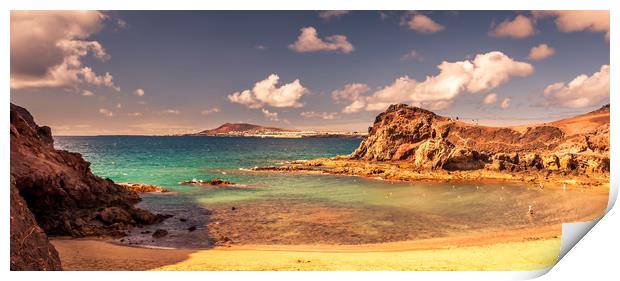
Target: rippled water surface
x=291 y=208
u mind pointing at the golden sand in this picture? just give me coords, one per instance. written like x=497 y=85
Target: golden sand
x=519 y=250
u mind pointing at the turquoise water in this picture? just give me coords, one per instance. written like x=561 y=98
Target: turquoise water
x=293 y=208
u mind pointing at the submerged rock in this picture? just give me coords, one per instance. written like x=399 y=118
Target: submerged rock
x=141 y=187
x=211 y=182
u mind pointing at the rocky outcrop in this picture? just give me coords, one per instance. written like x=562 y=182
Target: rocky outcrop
x=61 y=191
x=421 y=137
x=211 y=182
x=142 y=187
x=30 y=248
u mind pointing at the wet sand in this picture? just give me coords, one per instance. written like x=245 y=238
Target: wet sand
x=515 y=250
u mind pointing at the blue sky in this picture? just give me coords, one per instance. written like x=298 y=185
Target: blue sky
x=189 y=63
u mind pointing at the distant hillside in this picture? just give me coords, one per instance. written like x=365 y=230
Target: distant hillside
x=584 y=123
x=240 y=128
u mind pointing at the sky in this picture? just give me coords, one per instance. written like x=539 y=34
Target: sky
x=171 y=72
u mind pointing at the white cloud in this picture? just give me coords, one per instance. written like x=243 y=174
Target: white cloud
x=122 y=24
x=210 y=111
x=484 y=73
x=266 y=92
x=421 y=23
x=350 y=92
x=172 y=111
x=246 y=98
x=119 y=106
x=261 y=47
x=573 y=21
x=355 y=106
x=139 y=92
x=495 y=68
x=520 y=27
x=58 y=38
x=541 y=52
x=273 y=116
x=384 y=15
x=583 y=91
x=106 y=112
x=322 y=115
x=490 y=99
x=87 y=93
x=412 y=54
x=134 y=114
x=327 y=15
x=90 y=77
x=505 y=103
x=309 y=41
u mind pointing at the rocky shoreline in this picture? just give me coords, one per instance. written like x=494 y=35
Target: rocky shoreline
x=54 y=192
x=412 y=144
x=142 y=187
x=403 y=171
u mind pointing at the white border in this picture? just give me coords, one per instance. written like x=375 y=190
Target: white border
x=596 y=255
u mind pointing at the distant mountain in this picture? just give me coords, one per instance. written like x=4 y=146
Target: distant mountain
x=240 y=129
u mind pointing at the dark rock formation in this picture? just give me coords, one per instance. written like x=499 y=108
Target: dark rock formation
x=405 y=133
x=30 y=249
x=61 y=191
x=159 y=233
x=211 y=182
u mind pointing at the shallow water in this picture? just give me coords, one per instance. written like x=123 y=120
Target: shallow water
x=292 y=208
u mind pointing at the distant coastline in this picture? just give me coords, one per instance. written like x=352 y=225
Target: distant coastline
x=292 y=136
x=258 y=131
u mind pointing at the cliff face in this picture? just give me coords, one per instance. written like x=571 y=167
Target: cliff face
x=30 y=249
x=61 y=191
x=579 y=144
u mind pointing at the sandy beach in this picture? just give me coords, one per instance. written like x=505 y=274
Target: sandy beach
x=515 y=250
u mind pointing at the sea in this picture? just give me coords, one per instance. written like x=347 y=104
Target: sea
x=267 y=208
